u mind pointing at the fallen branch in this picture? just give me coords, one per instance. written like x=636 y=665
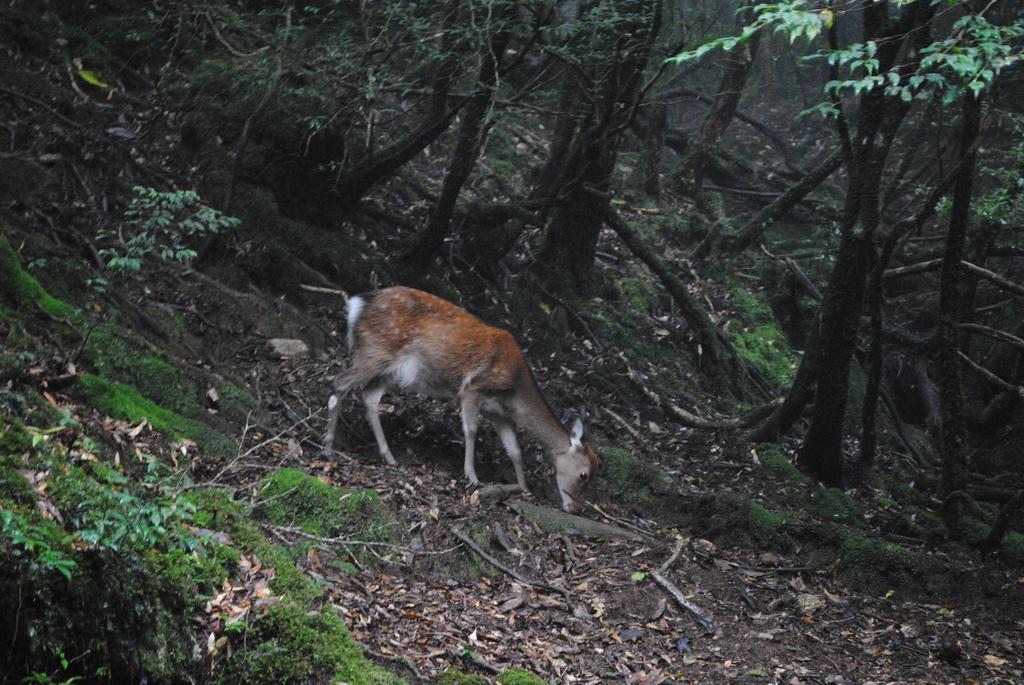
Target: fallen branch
x=469 y=542
x=498 y=491
x=677 y=594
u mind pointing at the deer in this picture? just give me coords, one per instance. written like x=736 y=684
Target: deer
x=406 y=339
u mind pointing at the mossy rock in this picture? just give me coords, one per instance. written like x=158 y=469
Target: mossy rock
x=734 y=520
x=116 y=354
x=1013 y=548
x=514 y=676
x=289 y=645
x=14 y=439
x=14 y=489
x=124 y=402
x=779 y=464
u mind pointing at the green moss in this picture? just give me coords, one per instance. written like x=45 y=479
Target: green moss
x=778 y=463
x=291 y=497
x=833 y=505
x=516 y=677
x=759 y=340
x=117 y=355
x=235 y=403
x=453 y=676
x=13 y=486
x=20 y=289
x=289 y=644
x=1013 y=547
x=868 y=553
x=626 y=477
x=14 y=439
x=762 y=520
x=123 y=402
x=639 y=294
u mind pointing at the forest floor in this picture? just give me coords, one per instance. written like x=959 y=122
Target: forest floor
x=765 y=616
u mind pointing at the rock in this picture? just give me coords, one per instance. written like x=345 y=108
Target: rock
x=286 y=348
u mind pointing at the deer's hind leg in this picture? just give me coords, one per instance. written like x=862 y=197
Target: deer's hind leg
x=372 y=394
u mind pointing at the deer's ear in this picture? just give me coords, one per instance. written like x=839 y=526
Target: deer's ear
x=576 y=434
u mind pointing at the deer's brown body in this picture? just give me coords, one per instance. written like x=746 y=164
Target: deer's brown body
x=411 y=340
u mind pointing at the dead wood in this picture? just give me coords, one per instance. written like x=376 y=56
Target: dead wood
x=469 y=542
x=677 y=594
x=555 y=519
x=498 y=492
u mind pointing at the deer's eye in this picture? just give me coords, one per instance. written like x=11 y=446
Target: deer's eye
x=584 y=476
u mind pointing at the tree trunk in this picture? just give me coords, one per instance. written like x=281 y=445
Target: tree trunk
x=585 y=175
x=649 y=169
x=951 y=304
x=689 y=174
x=467 y=148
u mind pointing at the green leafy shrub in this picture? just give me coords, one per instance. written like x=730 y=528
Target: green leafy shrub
x=160 y=224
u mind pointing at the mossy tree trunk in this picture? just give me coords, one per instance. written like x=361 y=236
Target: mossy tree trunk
x=591 y=143
x=376 y=167
x=879 y=119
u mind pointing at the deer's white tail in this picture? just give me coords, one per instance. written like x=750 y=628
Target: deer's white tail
x=355 y=309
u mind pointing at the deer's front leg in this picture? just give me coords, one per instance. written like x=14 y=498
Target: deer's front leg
x=507 y=433
x=470 y=410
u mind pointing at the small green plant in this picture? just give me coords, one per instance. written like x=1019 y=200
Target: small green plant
x=160 y=224
x=41 y=541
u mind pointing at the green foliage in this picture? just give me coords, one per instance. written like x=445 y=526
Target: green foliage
x=46 y=545
x=112 y=574
x=161 y=224
x=967 y=60
x=107 y=510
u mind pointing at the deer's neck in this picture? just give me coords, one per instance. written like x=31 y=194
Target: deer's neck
x=534 y=415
